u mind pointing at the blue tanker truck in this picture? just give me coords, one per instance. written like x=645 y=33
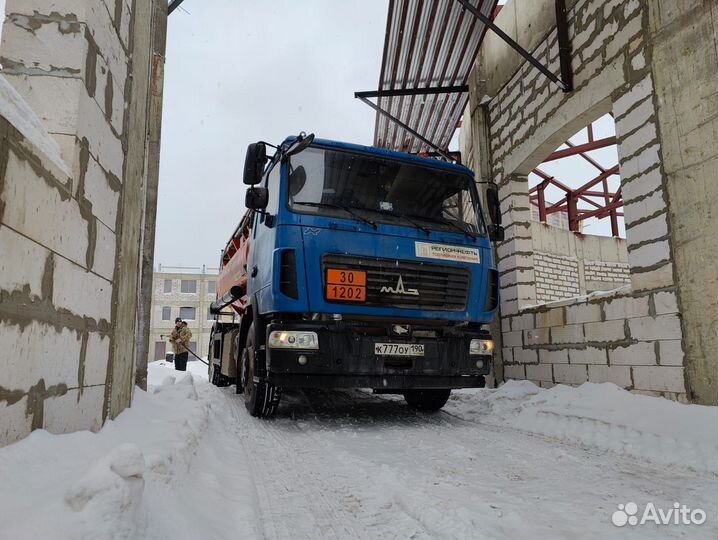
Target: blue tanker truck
x=355 y=267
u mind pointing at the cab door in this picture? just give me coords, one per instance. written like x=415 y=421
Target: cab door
x=264 y=233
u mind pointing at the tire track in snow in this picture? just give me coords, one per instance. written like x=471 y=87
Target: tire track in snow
x=355 y=465
x=509 y=458
x=291 y=479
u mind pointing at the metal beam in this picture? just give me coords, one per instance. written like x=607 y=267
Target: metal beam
x=563 y=85
x=414 y=91
x=173 y=5
x=564 y=46
x=584 y=156
x=585 y=214
x=441 y=151
x=581 y=148
x=588 y=185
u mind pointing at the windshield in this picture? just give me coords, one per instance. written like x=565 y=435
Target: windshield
x=344 y=184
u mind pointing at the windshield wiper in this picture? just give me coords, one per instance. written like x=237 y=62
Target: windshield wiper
x=347 y=209
x=399 y=215
x=445 y=221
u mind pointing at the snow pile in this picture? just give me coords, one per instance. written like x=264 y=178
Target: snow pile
x=91 y=485
x=601 y=416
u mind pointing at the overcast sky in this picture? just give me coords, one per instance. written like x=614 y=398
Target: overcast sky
x=241 y=71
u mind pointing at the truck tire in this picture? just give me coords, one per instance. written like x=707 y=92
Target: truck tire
x=260 y=397
x=428 y=399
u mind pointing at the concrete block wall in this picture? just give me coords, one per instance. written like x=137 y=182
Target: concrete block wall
x=634 y=336
x=631 y=340
x=66 y=66
x=55 y=300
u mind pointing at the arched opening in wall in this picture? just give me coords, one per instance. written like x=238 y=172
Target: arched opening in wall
x=578 y=186
x=577 y=228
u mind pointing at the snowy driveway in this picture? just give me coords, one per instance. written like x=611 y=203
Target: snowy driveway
x=187 y=462
x=340 y=465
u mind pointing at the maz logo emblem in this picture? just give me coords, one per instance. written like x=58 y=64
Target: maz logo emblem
x=399 y=289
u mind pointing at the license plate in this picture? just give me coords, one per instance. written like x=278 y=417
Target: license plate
x=398 y=349
x=346 y=285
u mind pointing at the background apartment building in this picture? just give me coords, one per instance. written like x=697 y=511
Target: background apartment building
x=181 y=292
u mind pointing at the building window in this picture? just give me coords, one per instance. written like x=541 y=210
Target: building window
x=189 y=286
x=193 y=346
x=210 y=316
x=166 y=313
x=211 y=287
x=168 y=286
x=188 y=313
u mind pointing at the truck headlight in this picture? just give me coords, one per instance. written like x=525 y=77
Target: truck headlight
x=288 y=339
x=481 y=346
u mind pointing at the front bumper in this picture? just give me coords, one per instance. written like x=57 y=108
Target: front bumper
x=346 y=359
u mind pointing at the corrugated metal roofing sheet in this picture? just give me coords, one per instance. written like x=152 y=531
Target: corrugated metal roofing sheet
x=428 y=43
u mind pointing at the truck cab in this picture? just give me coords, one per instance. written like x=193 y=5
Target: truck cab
x=365 y=268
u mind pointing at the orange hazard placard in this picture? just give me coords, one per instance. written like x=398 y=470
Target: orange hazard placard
x=346 y=285
x=346 y=277
x=346 y=294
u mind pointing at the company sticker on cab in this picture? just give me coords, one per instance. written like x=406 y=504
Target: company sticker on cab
x=447 y=253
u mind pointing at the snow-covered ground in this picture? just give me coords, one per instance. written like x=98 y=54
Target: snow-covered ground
x=188 y=462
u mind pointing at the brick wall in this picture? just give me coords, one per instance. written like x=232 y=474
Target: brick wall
x=567 y=265
x=631 y=336
x=599 y=272
x=556 y=277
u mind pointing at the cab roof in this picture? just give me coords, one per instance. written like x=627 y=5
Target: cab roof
x=387 y=154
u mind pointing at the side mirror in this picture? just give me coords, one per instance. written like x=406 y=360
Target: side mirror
x=300 y=143
x=496 y=231
x=254 y=163
x=256 y=198
x=492 y=201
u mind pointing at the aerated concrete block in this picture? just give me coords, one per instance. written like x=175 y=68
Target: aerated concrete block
x=570 y=374
x=659 y=378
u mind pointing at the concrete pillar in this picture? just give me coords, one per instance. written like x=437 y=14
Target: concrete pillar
x=685 y=73
x=159 y=38
x=124 y=352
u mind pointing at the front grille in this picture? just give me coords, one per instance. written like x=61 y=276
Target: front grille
x=439 y=287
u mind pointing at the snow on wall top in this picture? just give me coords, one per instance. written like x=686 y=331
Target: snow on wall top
x=16 y=111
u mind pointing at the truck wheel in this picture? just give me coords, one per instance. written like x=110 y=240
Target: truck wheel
x=427 y=400
x=261 y=397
